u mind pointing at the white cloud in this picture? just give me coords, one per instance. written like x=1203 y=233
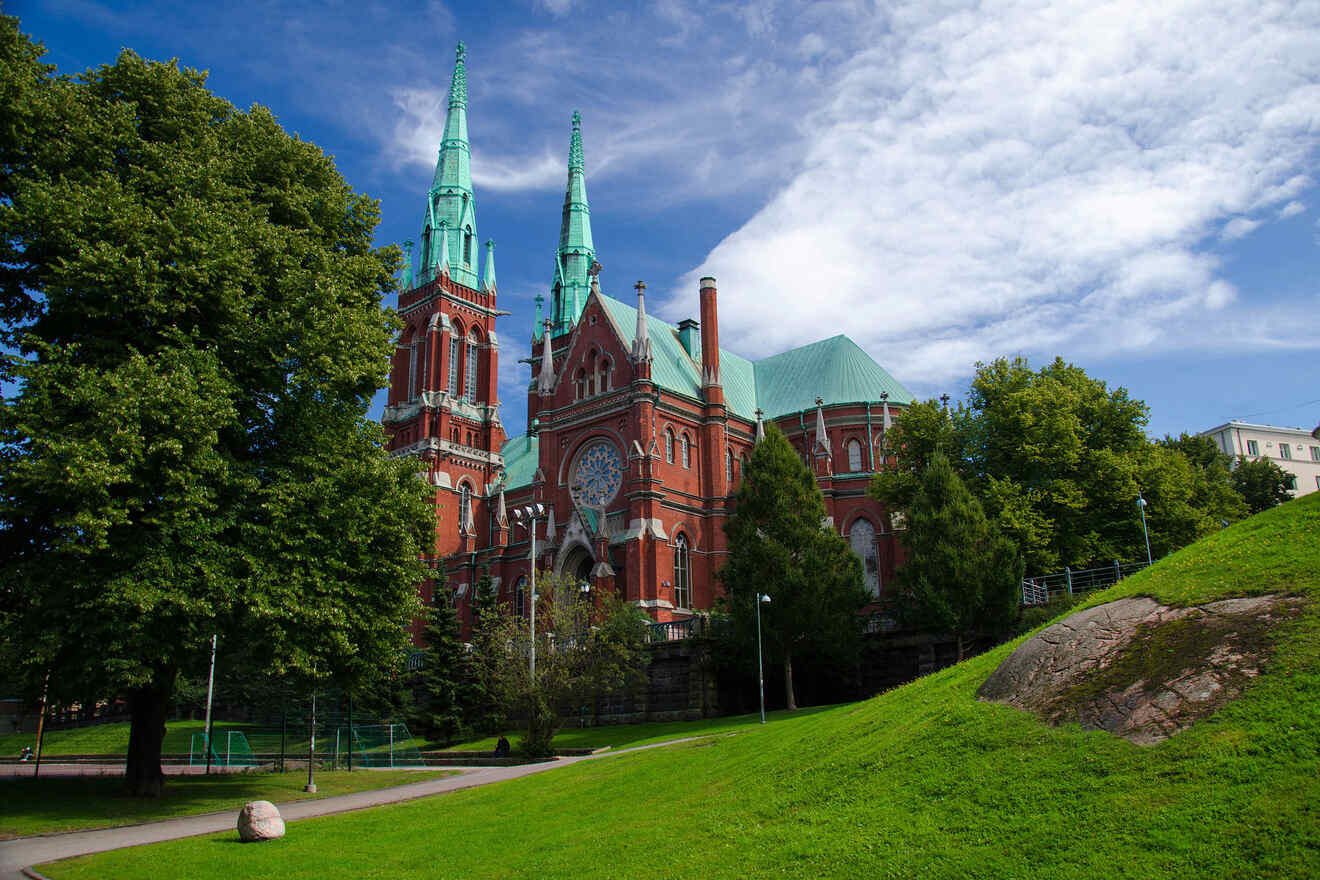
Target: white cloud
x=1292 y=209
x=1035 y=178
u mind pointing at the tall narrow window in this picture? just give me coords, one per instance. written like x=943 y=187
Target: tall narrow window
x=453 y=365
x=862 y=539
x=467 y=245
x=854 y=456
x=470 y=383
x=1253 y=448
x=687 y=452
x=682 y=573
x=1285 y=451
x=669 y=446
x=1315 y=453
x=412 y=371
x=591 y=373
x=464 y=507
x=728 y=466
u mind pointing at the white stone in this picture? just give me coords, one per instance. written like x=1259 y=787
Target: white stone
x=259 y=820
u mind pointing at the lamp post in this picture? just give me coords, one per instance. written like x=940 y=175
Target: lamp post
x=531 y=513
x=761 y=599
x=1141 y=505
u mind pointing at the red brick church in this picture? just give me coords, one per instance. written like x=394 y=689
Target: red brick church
x=638 y=431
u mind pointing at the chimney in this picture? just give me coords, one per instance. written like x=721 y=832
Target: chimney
x=710 y=334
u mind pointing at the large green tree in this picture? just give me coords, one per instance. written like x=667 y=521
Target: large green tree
x=960 y=575
x=194 y=302
x=781 y=545
x=1057 y=460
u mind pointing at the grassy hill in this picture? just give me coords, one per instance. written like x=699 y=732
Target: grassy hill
x=924 y=781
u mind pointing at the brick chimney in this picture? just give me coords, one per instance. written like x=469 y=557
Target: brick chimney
x=710 y=343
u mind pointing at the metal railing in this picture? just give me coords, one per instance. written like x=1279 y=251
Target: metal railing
x=1041 y=589
x=671 y=631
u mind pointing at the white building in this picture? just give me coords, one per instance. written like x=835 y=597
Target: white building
x=1293 y=449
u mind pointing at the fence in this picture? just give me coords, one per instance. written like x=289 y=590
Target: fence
x=374 y=744
x=230 y=749
x=1040 y=590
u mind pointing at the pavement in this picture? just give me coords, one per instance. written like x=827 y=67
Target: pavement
x=16 y=856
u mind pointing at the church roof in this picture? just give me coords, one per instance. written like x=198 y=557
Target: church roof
x=835 y=369
x=521 y=456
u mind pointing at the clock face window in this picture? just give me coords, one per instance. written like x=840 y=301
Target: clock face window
x=599 y=473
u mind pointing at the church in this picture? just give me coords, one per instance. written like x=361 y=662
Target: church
x=638 y=431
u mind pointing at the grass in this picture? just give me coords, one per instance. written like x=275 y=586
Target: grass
x=924 y=781
x=71 y=803
x=622 y=736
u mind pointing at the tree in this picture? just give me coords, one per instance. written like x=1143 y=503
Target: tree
x=444 y=669
x=1262 y=483
x=586 y=647
x=781 y=545
x=961 y=575
x=196 y=304
x=1057 y=459
x=481 y=707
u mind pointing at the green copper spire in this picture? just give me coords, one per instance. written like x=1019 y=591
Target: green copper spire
x=406 y=282
x=536 y=327
x=451 y=204
x=570 y=285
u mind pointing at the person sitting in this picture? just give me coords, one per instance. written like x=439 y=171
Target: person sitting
x=25 y=754
x=502 y=748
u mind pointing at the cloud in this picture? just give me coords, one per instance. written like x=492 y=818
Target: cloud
x=1292 y=209
x=1034 y=178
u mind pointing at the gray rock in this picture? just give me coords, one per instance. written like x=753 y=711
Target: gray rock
x=259 y=820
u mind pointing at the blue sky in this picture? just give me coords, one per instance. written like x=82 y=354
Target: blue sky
x=1132 y=186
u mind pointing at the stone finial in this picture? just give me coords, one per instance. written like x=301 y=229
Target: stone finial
x=760 y=426
x=545 y=380
x=822 y=438
x=501 y=512
x=488 y=279
x=444 y=249
x=641 y=347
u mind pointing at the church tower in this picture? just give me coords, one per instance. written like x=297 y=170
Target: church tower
x=443 y=404
x=570 y=284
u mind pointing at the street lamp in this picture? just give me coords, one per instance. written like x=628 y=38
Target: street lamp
x=761 y=599
x=531 y=513
x=1141 y=505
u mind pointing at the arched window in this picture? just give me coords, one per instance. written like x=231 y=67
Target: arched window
x=687 y=452
x=682 y=573
x=862 y=539
x=669 y=446
x=464 y=507
x=467 y=245
x=603 y=381
x=591 y=371
x=580 y=384
x=854 y=456
x=454 y=348
x=742 y=463
x=470 y=383
x=520 y=597
x=728 y=466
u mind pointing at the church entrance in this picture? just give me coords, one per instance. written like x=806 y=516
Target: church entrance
x=577 y=565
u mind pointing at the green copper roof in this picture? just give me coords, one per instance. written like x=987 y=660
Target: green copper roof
x=488 y=279
x=835 y=369
x=569 y=283
x=450 y=201
x=521 y=457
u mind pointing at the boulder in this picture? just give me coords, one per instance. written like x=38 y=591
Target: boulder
x=259 y=820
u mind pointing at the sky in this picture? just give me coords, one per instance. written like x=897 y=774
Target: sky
x=1132 y=186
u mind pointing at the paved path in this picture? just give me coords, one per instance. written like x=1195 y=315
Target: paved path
x=15 y=855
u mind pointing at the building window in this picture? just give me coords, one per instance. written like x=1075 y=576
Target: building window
x=464 y=507
x=728 y=466
x=580 y=384
x=606 y=368
x=1291 y=485
x=669 y=446
x=470 y=383
x=520 y=597
x=467 y=245
x=687 y=452
x=1285 y=451
x=1315 y=453
x=854 y=456
x=453 y=365
x=682 y=573
x=862 y=539
x=1253 y=448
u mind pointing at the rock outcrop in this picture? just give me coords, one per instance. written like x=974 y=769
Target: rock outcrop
x=1139 y=669
x=259 y=820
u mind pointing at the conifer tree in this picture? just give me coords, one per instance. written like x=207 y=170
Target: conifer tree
x=443 y=668
x=960 y=575
x=781 y=546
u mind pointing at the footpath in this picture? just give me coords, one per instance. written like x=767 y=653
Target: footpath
x=16 y=856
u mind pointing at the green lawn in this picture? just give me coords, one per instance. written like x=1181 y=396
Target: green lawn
x=924 y=781
x=622 y=736
x=61 y=803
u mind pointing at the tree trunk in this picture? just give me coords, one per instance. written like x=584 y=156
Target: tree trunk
x=789 y=696
x=962 y=648
x=147 y=706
